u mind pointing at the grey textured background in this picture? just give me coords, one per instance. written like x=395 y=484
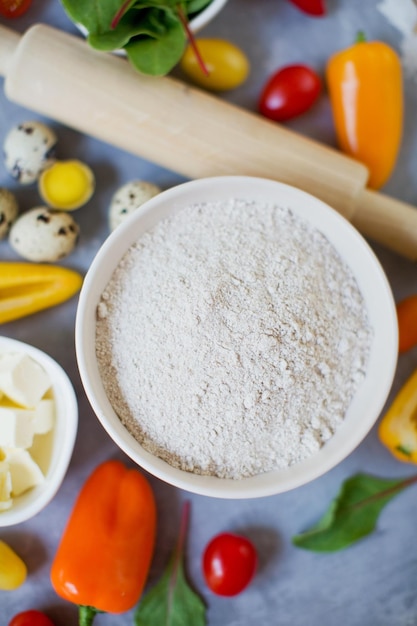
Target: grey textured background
x=373 y=583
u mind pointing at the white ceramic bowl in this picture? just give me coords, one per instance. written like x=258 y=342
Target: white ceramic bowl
x=58 y=444
x=368 y=401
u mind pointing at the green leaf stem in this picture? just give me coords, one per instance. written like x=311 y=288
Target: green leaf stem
x=172 y=602
x=353 y=514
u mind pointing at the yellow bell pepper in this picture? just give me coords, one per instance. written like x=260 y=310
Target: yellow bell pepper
x=366 y=94
x=398 y=428
x=26 y=288
x=12 y=569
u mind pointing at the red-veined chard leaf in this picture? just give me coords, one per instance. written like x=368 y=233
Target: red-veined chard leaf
x=150 y=31
x=95 y=16
x=158 y=55
x=147 y=25
x=353 y=514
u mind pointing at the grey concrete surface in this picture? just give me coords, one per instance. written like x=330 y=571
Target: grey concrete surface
x=372 y=583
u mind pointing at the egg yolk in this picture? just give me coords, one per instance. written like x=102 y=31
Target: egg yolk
x=66 y=185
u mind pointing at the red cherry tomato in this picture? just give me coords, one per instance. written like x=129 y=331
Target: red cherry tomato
x=312 y=7
x=14 y=8
x=289 y=92
x=31 y=618
x=229 y=564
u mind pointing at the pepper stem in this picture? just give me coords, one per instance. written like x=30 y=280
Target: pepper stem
x=360 y=37
x=86 y=615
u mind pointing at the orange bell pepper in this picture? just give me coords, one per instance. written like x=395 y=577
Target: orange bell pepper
x=407 y=323
x=366 y=93
x=105 y=552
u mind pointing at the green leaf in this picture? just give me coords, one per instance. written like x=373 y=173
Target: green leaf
x=157 y=55
x=172 y=602
x=353 y=514
x=95 y=15
x=133 y=24
x=195 y=6
x=161 y=4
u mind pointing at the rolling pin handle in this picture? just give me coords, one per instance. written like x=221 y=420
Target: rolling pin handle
x=9 y=41
x=388 y=221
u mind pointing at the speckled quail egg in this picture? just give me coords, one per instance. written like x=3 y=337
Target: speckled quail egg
x=42 y=235
x=28 y=150
x=128 y=198
x=9 y=210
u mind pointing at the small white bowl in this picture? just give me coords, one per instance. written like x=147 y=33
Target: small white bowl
x=370 y=397
x=59 y=442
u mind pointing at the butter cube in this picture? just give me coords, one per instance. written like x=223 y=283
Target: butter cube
x=5 y=486
x=22 y=379
x=44 y=416
x=25 y=473
x=16 y=427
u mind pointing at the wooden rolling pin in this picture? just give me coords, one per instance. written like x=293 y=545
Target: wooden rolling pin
x=187 y=130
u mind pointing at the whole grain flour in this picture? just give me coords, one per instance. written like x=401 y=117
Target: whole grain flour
x=231 y=339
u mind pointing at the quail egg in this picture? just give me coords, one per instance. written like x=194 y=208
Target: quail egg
x=42 y=235
x=9 y=210
x=128 y=198
x=28 y=151
x=67 y=185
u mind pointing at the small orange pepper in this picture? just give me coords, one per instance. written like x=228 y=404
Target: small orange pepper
x=105 y=553
x=398 y=427
x=366 y=93
x=407 y=323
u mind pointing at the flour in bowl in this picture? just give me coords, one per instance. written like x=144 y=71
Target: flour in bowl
x=232 y=338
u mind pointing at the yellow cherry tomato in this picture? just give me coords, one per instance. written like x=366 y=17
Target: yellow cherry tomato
x=227 y=65
x=12 y=569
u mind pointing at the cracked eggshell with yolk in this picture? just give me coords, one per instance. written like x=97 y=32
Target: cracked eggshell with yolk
x=67 y=185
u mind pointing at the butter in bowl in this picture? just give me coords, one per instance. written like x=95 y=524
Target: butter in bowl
x=38 y=426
